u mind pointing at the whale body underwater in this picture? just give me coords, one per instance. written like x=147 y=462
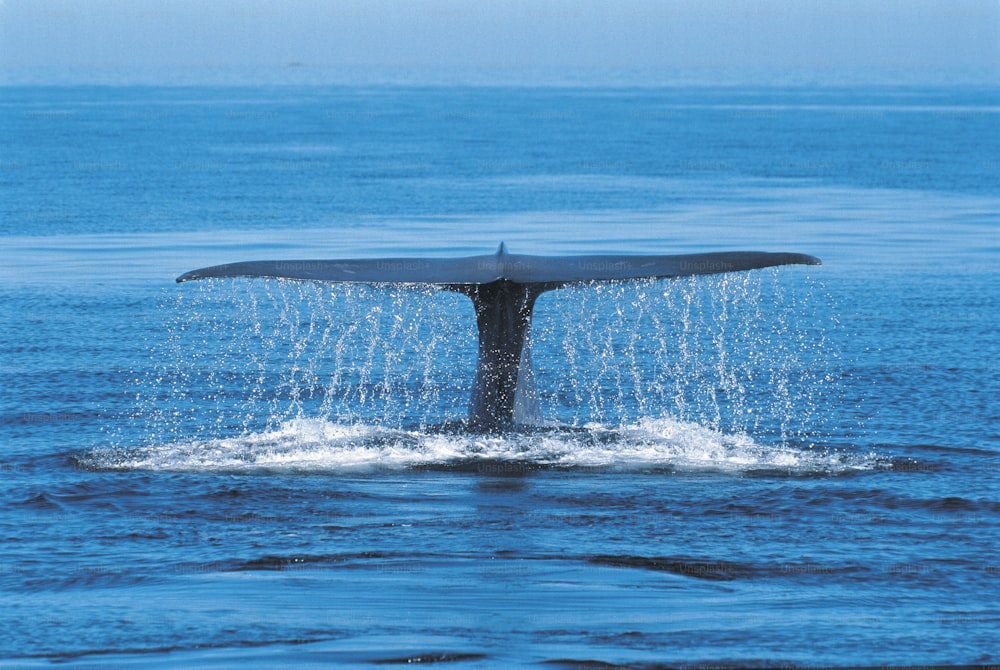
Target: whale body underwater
x=503 y=288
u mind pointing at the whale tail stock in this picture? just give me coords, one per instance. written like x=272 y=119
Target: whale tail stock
x=503 y=288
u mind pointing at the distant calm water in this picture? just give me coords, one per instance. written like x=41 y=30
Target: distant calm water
x=788 y=467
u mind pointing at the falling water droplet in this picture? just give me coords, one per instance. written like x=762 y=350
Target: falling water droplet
x=741 y=355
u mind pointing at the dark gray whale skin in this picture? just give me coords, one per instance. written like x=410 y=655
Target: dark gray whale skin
x=503 y=288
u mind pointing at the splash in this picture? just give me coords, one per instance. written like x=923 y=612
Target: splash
x=318 y=446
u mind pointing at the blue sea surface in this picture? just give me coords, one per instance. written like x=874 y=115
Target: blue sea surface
x=787 y=467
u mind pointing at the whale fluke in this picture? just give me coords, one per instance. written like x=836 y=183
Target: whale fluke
x=503 y=288
x=518 y=268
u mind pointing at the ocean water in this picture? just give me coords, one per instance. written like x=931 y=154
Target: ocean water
x=788 y=467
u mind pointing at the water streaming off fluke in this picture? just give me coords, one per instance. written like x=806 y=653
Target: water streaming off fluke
x=700 y=373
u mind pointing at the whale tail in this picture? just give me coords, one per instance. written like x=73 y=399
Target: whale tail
x=503 y=288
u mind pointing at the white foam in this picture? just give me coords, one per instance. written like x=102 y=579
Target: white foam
x=317 y=445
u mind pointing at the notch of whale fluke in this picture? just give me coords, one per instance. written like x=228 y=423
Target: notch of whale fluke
x=503 y=288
